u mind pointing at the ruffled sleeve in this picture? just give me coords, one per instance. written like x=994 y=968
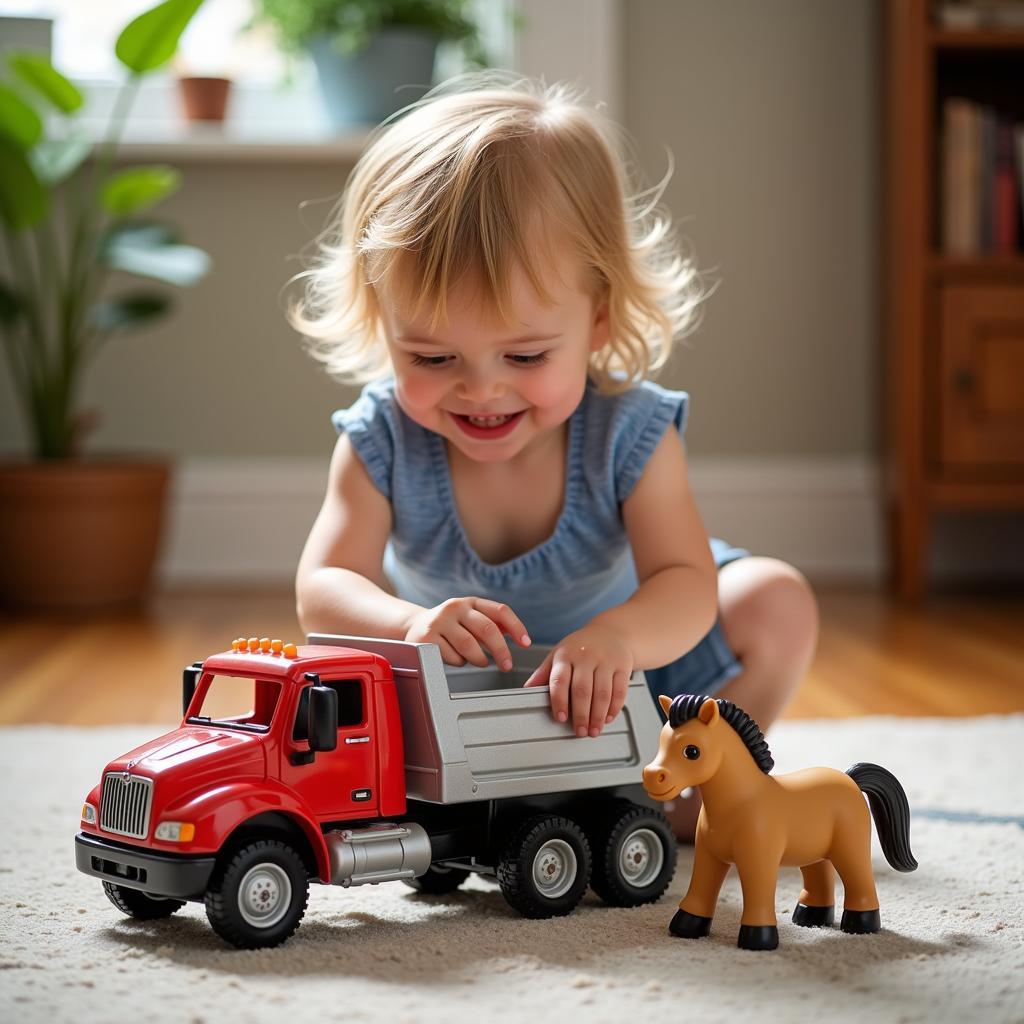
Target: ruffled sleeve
x=642 y=416
x=371 y=423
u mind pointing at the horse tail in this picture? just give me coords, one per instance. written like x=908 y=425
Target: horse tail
x=891 y=811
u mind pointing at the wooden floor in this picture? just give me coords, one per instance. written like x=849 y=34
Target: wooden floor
x=955 y=655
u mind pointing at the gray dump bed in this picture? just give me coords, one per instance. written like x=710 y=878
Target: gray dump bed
x=475 y=734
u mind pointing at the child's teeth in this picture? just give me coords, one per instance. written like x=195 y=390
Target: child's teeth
x=487 y=421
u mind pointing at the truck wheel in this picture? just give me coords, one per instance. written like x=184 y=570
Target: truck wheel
x=438 y=881
x=257 y=897
x=545 y=868
x=635 y=855
x=140 y=905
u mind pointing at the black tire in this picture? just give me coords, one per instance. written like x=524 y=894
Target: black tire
x=437 y=880
x=258 y=894
x=545 y=868
x=635 y=855
x=140 y=905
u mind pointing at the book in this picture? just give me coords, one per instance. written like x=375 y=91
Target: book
x=1006 y=198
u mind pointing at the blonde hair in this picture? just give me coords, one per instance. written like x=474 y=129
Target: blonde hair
x=457 y=187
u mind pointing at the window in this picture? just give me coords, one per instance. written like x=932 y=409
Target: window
x=350 y=706
x=237 y=702
x=268 y=94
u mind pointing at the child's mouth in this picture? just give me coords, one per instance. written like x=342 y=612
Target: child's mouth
x=488 y=428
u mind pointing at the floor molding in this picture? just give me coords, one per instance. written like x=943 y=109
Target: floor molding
x=245 y=520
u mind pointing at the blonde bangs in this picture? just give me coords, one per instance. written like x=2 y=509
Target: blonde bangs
x=482 y=176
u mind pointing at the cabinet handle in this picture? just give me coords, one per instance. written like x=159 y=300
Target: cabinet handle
x=963 y=380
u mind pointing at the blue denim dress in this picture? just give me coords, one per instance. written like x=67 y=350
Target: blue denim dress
x=583 y=568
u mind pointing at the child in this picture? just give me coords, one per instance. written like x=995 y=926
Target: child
x=509 y=471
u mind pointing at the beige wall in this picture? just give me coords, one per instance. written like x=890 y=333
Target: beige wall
x=769 y=108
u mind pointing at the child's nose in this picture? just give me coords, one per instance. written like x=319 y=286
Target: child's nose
x=480 y=388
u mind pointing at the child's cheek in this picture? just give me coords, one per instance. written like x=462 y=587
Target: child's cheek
x=419 y=397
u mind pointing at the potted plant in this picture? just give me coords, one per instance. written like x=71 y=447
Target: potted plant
x=372 y=57
x=78 y=531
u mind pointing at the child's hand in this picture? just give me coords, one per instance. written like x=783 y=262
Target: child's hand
x=594 y=664
x=464 y=626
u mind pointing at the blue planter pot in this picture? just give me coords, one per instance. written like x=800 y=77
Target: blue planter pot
x=366 y=87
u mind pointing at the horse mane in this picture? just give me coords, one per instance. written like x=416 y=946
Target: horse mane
x=687 y=705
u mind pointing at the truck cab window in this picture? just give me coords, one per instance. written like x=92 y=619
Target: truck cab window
x=350 y=706
x=238 y=702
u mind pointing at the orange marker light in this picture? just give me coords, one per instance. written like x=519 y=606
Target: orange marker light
x=264 y=644
x=290 y=651
x=275 y=646
x=254 y=644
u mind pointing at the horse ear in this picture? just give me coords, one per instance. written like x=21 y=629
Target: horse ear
x=666 y=703
x=708 y=711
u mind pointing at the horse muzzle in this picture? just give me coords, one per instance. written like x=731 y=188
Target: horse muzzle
x=658 y=783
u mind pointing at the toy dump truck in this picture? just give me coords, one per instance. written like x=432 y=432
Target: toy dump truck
x=353 y=761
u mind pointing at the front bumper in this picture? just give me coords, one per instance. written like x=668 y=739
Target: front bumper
x=162 y=874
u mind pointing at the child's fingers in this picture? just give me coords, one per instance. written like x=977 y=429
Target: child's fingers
x=449 y=655
x=507 y=619
x=620 y=690
x=466 y=644
x=582 y=694
x=490 y=637
x=542 y=673
x=559 y=680
x=601 y=699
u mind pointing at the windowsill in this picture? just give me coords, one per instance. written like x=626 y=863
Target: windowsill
x=209 y=143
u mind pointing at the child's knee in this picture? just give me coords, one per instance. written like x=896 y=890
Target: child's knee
x=768 y=609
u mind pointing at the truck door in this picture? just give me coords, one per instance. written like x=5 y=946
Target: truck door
x=339 y=783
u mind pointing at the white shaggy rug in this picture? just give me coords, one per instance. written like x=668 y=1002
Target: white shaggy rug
x=951 y=949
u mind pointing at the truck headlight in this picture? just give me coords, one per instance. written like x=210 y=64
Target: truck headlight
x=88 y=814
x=175 y=831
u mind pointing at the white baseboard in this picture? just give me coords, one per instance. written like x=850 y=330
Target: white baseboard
x=242 y=521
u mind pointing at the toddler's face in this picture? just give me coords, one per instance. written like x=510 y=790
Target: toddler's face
x=492 y=391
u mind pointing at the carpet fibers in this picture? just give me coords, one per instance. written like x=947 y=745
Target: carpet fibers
x=951 y=949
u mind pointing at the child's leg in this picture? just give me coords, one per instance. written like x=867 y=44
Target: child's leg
x=770 y=618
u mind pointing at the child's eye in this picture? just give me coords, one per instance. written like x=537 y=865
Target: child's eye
x=535 y=360
x=418 y=360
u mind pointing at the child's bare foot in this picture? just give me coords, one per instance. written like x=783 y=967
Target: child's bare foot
x=682 y=815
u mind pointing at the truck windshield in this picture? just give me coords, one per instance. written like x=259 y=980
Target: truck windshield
x=236 y=702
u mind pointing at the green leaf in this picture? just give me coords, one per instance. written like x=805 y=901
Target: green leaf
x=55 y=160
x=10 y=304
x=36 y=71
x=128 y=311
x=151 y=39
x=24 y=201
x=18 y=121
x=176 y=264
x=138 y=188
x=137 y=234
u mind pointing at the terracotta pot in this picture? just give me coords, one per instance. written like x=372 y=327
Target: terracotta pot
x=79 y=534
x=205 y=99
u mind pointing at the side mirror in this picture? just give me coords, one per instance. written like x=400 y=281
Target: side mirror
x=323 y=718
x=188 y=684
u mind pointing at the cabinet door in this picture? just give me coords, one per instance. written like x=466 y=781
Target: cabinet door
x=981 y=388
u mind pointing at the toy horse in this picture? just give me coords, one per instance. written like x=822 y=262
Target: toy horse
x=814 y=819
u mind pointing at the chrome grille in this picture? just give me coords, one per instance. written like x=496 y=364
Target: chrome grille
x=125 y=804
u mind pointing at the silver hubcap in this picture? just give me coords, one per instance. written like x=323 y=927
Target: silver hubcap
x=264 y=895
x=554 y=869
x=641 y=857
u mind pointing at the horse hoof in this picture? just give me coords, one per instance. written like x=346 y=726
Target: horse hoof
x=689 y=926
x=861 y=922
x=758 y=936
x=814 y=917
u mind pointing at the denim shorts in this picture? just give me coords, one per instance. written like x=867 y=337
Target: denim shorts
x=707 y=667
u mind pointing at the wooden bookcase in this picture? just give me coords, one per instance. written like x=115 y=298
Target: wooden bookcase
x=953 y=328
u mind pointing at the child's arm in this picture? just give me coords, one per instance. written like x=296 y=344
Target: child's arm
x=672 y=609
x=340 y=585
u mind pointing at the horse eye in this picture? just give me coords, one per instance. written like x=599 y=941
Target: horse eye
x=690 y=752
